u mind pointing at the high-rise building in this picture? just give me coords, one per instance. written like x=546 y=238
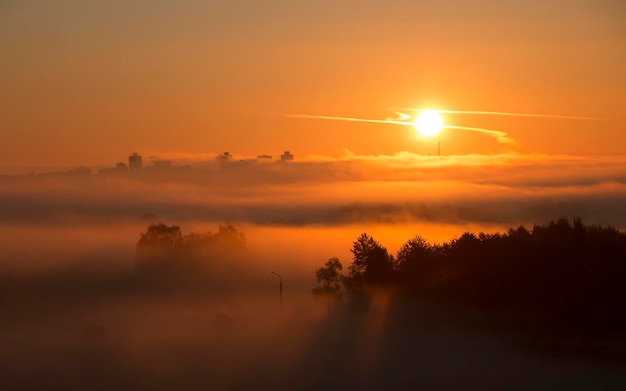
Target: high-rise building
x=134 y=161
x=286 y=156
x=225 y=160
x=226 y=156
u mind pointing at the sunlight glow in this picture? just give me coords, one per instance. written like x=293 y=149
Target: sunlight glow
x=428 y=123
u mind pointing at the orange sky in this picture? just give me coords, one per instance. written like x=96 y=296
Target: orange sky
x=84 y=83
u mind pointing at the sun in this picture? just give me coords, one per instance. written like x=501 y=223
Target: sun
x=428 y=123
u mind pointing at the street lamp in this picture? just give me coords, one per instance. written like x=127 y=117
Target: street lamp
x=280 y=288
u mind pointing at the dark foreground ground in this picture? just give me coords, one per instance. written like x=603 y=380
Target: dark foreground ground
x=165 y=341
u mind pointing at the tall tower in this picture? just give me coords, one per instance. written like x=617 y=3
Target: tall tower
x=134 y=161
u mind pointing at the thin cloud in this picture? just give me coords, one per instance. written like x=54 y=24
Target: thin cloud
x=403 y=119
x=502 y=137
x=507 y=114
x=352 y=119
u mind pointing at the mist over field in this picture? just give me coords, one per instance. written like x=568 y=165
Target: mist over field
x=404 y=188
x=76 y=311
x=306 y=211
x=418 y=195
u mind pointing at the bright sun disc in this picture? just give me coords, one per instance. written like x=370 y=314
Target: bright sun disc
x=428 y=123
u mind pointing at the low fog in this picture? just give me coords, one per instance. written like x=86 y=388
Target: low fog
x=505 y=190
x=77 y=313
x=301 y=211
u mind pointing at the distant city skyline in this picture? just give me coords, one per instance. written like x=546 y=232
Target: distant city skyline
x=221 y=77
x=136 y=162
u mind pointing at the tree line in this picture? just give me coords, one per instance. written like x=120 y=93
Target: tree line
x=560 y=273
x=164 y=247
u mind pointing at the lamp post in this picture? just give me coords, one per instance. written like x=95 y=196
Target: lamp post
x=280 y=288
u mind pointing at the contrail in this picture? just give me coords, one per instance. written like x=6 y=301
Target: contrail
x=505 y=114
x=401 y=116
x=351 y=119
x=499 y=135
x=404 y=119
x=502 y=137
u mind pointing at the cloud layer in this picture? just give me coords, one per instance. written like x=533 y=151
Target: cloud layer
x=334 y=191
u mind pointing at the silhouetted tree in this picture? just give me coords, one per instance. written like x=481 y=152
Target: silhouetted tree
x=415 y=261
x=226 y=241
x=163 y=246
x=371 y=264
x=228 y=236
x=159 y=245
x=161 y=234
x=330 y=280
x=561 y=275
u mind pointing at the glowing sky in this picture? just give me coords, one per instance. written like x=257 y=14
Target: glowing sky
x=89 y=82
